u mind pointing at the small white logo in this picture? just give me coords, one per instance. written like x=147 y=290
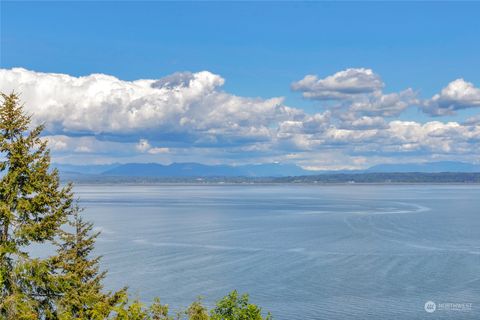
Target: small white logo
x=430 y=306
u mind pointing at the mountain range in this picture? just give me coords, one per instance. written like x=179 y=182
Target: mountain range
x=259 y=170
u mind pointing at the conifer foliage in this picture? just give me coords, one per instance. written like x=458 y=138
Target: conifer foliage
x=33 y=206
x=82 y=296
x=35 y=209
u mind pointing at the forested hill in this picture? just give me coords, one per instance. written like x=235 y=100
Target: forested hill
x=341 y=178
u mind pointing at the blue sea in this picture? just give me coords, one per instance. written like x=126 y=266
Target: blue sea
x=300 y=251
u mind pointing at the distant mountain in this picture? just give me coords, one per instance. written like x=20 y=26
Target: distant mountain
x=440 y=166
x=201 y=170
x=85 y=169
x=182 y=170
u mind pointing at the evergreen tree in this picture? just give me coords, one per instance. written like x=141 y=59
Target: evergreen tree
x=82 y=295
x=33 y=206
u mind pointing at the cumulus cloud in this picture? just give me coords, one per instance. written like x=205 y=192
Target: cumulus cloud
x=457 y=95
x=359 y=93
x=345 y=84
x=433 y=136
x=396 y=137
x=188 y=117
x=183 y=105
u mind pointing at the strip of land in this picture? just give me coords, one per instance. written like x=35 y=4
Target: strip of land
x=336 y=178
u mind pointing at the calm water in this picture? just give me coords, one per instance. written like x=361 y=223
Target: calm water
x=302 y=252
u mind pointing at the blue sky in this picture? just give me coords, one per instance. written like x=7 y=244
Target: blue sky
x=259 y=50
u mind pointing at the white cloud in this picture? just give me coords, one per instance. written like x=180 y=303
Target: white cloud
x=187 y=117
x=433 y=136
x=457 y=95
x=342 y=85
x=396 y=137
x=359 y=92
x=182 y=104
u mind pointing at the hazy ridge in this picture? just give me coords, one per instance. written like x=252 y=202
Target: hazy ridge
x=435 y=172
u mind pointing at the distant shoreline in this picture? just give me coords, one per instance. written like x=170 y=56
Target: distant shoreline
x=323 y=179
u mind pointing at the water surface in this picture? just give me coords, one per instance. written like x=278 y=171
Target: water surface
x=301 y=251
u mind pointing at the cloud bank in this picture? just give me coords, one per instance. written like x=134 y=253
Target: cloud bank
x=188 y=116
